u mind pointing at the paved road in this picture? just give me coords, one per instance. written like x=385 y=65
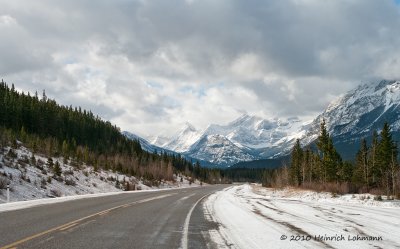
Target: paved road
x=162 y=219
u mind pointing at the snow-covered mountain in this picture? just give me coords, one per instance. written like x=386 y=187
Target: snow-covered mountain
x=244 y=139
x=361 y=110
x=357 y=113
x=184 y=139
x=219 y=150
x=254 y=132
x=350 y=118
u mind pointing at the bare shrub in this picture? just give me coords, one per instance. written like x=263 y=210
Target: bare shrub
x=129 y=186
x=40 y=166
x=55 y=192
x=377 y=191
x=70 y=182
x=3 y=182
x=43 y=183
x=12 y=154
x=336 y=188
x=58 y=178
x=23 y=176
x=69 y=172
x=40 y=163
x=24 y=160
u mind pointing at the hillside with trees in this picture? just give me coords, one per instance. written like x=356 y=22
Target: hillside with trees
x=82 y=138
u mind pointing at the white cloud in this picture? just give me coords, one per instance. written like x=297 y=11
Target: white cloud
x=152 y=65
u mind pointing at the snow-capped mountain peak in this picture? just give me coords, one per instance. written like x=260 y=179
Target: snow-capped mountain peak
x=219 y=150
x=188 y=127
x=184 y=139
x=246 y=138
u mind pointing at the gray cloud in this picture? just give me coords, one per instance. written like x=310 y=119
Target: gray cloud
x=128 y=61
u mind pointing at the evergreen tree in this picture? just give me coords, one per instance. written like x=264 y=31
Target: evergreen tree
x=387 y=159
x=331 y=161
x=361 y=173
x=373 y=152
x=347 y=172
x=296 y=164
x=57 y=169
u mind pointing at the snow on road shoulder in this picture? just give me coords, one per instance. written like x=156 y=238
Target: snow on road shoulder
x=248 y=219
x=323 y=197
x=32 y=203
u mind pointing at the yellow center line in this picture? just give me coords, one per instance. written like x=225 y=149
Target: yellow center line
x=73 y=223
x=104 y=213
x=65 y=228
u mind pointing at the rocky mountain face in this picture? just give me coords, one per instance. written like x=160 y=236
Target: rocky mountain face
x=349 y=119
x=358 y=113
x=219 y=150
x=244 y=139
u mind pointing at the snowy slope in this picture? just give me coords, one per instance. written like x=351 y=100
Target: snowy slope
x=35 y=180
x=249 y=216
x=160 y=141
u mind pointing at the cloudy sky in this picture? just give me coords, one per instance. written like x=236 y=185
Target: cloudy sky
x=149 y=66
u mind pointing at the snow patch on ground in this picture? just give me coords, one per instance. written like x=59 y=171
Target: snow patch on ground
x=253 y=217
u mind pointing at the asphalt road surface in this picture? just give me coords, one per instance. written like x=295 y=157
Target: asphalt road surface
x=161 y=219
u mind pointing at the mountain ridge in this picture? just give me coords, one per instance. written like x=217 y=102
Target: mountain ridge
x=349 y=118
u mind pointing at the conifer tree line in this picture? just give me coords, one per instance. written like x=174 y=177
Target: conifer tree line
x=375 y=168
x=81 y=137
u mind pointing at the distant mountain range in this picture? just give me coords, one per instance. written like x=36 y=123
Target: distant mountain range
x=249 y=138
x=244 y=139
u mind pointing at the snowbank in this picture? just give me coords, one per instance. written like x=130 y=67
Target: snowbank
x=324 y=197
x=254 y=217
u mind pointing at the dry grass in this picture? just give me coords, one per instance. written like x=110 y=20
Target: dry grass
x=335 y=188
